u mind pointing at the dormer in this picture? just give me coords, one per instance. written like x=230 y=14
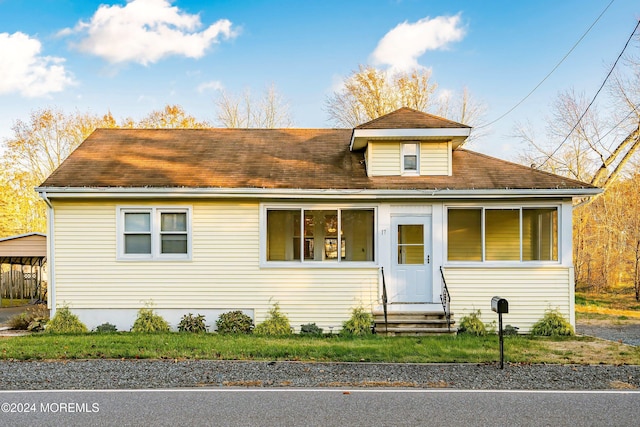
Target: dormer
x=408 y=142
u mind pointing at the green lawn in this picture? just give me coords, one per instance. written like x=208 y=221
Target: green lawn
x=466 y=349
x=6 y=302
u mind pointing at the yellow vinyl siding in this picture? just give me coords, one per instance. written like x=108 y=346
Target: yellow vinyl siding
x=530 y=292
x=224 y=272
x=434 y=158
x=384 y=159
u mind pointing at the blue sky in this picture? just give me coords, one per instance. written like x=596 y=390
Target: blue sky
x=134 y=57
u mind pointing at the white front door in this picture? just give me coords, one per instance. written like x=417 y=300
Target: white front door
x=411 y=260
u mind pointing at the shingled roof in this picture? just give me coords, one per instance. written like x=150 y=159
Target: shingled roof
x=408 y=118
x=266 y=158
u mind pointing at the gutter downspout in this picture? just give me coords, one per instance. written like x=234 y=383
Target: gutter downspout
x=51 y=292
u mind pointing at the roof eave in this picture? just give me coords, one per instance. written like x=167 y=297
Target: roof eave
x=360 y=137
x=286 y=193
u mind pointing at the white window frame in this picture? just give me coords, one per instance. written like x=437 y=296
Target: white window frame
x=403 y=153
x=155 y=213
x=302 y=263
x=506 y=263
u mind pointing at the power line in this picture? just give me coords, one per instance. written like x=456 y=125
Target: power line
x=552 y=71
x=594 y=97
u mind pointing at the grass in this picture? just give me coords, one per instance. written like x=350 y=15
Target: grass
x=6 y=302
x=444 y=349
x=619 y=305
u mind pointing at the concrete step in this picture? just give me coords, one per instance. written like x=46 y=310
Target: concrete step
x=430 y=325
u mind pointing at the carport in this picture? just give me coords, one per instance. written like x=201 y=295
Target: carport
x=22 y=267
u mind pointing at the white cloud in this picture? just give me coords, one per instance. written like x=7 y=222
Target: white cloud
x=25 y=71
x=401 y=47
x=212 y=85
x=145 y=31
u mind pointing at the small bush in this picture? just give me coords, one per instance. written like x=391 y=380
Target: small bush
x=38 y=313
x=552 y=324
x=191 y=323
x=360 y=323
x=472 y=325
x=276 y=324
x=148 y=321
x=310 y=329
x=106 y=327
x=510 y=330
x=234 y=322
x=65 y=322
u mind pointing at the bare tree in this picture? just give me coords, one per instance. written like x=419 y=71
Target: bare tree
x=269 y=111
x=369 y=93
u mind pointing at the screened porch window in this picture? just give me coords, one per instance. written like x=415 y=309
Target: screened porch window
x=507 y=234
x=320 y=235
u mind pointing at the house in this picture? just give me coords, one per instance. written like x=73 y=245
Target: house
x=319 y=220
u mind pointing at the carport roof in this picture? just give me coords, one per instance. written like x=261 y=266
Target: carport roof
x=25 y=249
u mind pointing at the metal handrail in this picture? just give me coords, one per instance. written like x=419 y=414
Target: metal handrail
x=384 y=299
x=445 y=298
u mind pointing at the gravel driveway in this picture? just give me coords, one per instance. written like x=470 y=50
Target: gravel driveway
x=628 y=333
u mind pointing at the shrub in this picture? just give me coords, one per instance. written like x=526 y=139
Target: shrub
x=37 y=314
x=234 y=322
x=191 y=323
x=552 y=324
x=510 y=330
x=65 y=322
x=106 y=327
x=360 y=322
x=310 y=329
x=148 y=321
x=472 y=325
x=276 y=324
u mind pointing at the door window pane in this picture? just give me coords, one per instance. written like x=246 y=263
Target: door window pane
x=411 y=244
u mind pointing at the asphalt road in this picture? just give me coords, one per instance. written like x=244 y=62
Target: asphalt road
x=318 y=407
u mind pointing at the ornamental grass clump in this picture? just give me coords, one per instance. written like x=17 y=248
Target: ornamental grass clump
x=472 y=325
x=191 y=323
x=360 y=323
x=148 y=321
x=552 y=324
x=65 y=322
x=276 y=324
x=234 y=322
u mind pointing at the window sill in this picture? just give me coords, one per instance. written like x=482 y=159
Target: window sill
x=318 y=264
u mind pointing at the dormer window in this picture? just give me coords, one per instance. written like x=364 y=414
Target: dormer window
x=410 y=155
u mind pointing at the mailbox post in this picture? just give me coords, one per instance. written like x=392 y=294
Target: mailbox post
x=500 y=306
